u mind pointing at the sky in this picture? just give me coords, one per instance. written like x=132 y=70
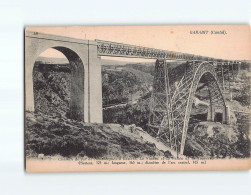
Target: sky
x=234 y=44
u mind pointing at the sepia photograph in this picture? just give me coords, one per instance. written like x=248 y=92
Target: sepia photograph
x=137 y=95
x=125 y=97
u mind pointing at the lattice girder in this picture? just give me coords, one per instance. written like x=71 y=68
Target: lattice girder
x=173 y=129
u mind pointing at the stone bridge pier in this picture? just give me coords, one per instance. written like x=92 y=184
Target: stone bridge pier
x=225 y=113
x=86 y=84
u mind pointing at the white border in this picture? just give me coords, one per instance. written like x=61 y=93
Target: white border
x=16 y=15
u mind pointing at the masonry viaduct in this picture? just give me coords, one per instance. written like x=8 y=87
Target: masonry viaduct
x=86 y=97
x=170 y=105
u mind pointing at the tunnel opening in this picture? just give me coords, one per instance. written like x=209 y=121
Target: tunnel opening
x=58 y=77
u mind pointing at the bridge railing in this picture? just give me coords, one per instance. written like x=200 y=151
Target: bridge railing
x=108 y=48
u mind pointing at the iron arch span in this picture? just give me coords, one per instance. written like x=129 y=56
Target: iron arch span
x=170 y=110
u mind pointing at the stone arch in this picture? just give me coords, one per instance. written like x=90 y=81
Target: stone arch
x=86 y=50
x=77 y=79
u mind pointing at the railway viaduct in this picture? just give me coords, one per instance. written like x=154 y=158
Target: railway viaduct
x=171 y=103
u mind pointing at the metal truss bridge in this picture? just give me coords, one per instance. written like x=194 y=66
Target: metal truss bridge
x=173 y=92
x=113 y=49
x=173 y=88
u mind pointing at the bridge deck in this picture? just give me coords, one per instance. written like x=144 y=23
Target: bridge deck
x=114 y=49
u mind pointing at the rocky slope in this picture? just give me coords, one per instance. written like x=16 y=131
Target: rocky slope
x=52 y=88
x=68 y=138
x=50 y=132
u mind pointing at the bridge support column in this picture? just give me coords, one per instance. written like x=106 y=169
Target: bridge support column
x=95 y=85
x=29 y=96
x=30 y=52
x=226 y=115
x=211 y=113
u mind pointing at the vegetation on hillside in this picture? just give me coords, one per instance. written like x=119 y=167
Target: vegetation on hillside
x=52 y=88
x=69 y=138
x=137 y=114
x=52 y=133
x=116 y=86
x=146 y=68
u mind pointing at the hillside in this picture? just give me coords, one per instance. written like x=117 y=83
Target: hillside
x=143 y=77
x=52 y=88
x=54 y=136
x=52 y=133
x=47 y=60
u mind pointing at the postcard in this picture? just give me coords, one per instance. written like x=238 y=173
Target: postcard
x=137 y=98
